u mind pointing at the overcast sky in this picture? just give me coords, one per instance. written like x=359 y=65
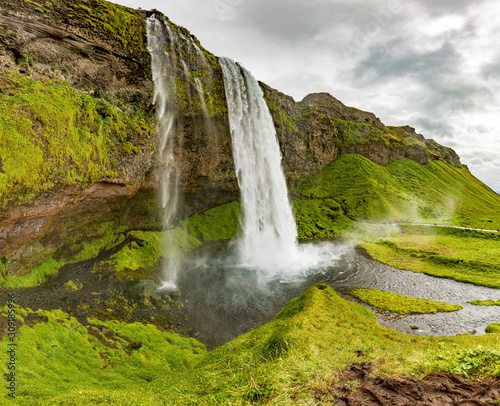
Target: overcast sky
x=432 y=64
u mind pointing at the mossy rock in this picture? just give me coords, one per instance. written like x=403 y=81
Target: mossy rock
x=493 y=328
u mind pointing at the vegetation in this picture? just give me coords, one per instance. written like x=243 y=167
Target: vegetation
x=319 y=219
x=288 y=361
x=493 y=328
x=462 y=255
x=143 y=259
x=471 y=363
x=401 y=304
x=122 y=24
x=404 y=190
x=68 y=137
x=485 y=302
x=217 y=224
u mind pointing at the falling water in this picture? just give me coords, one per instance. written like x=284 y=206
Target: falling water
x=269 y=232
x=166 y=44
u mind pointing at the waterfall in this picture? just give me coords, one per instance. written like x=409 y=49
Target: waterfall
x=269 y=232
x=174 y=56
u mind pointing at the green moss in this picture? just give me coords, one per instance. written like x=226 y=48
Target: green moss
x=219 y=223
x=485 y=302
x=69 y=138
x=280 y=117
x=493 y=328
x=111 y=21
x=401 y=304
x=73 y=286
x=153 y=246
x=471 y=363
x=299 y=351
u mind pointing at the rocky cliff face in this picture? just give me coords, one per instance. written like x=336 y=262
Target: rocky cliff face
x=316 y=130
x=76 y=99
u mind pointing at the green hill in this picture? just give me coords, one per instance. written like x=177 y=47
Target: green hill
x=405 y=191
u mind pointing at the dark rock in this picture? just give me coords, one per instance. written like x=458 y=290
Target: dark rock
x=143 y=289
x=135 y=345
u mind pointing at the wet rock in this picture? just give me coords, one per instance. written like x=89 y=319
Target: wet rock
x=141 y=290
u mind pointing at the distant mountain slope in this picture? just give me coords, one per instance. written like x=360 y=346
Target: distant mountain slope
x=404 y=190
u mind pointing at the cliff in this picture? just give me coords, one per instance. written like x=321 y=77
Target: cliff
x=78 y=140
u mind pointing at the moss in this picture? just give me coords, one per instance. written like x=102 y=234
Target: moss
x=401 y=304
x=485 y=302
x=280 y=117
x=69 y=138
x=38 y=275
x=61 y=359
x=493 y=328
x=73 y=286
x=153 y=246
x=219 y=223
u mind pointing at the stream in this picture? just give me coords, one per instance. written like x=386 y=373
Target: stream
x=224 y=300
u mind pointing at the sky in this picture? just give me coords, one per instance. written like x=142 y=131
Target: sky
x=430 y=64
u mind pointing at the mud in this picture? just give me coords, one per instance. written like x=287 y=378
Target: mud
x=357 y=387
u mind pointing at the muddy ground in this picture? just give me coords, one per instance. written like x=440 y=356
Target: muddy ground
x=357 y=387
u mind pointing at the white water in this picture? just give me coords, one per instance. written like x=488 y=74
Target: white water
x=269 y=233
x=165 y=49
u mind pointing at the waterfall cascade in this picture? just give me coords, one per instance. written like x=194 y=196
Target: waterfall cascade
x=166 y=43
x=183 y=77
x=269 y=231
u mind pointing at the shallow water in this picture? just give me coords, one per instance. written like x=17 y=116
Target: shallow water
x=224 y=301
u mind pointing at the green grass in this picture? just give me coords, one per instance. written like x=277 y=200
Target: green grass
x=485 y=302
x=465 y=256
x=124 y=25
x=59 y=360
x=287 y=361
x=403 y=190
x=69 y=138
x=318 y=218
x=401 y=304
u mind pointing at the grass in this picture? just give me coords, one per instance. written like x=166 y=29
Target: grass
x=287 y=361
x=60 y=360
x=401 y=304
x=143 y=259
x=485 y=302
x=403 y=190
x=69 y=138
x=465 y=256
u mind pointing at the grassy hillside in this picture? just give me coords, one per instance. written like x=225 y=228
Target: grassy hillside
x=404 y=190
x=68 y=137
x=294 y=359
x=462 y=255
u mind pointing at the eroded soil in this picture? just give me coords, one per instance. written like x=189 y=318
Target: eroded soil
x=357 y=387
